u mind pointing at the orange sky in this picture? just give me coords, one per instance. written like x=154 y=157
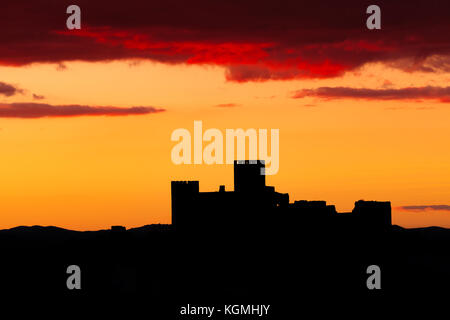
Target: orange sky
x=89 y=173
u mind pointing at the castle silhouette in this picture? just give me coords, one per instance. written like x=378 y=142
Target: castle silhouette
x=252 y=204
x=250 y=244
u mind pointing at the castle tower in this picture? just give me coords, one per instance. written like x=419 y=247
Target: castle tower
x=249 y=176
x=183 y=196
x=374 y=215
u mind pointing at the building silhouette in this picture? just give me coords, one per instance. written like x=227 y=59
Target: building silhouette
x=253 y=206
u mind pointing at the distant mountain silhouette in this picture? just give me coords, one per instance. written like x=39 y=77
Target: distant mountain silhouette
x=52 y=231
x=57 y=233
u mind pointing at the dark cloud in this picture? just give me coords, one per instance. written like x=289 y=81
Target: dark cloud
x=38 y=97
x=435 y=93
x=61 y=67
x=254 y=40
x=40 y=110
x=441 y=207
x=227 y=105
x=8 y=89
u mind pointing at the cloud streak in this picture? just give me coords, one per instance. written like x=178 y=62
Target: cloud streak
x=227 y=105
x=40 y=110
x=441 y=207
x=8 y=89
x=38 y=97
x=441 y=94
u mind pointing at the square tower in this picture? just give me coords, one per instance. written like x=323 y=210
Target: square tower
x=249 y=176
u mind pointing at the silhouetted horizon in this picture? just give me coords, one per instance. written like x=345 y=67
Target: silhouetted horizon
x=251 y=243
x=43 y=228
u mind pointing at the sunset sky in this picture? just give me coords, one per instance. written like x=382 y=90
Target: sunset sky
x=86 y=115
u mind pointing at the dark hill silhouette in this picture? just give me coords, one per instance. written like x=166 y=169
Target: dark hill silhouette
x=57 y=233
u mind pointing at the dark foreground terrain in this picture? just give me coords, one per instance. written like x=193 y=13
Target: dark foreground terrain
x=285 y=267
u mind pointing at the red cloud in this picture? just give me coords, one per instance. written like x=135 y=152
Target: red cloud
x=253 y=40
x=227 y=105
x=40 y=110
x=440 y=207
x=435 y=93
x=8 y=89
